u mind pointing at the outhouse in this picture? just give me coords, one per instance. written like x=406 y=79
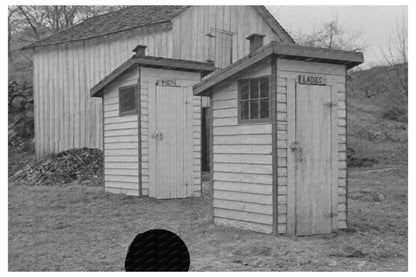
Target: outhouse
x=152 y=126
x=278 y=145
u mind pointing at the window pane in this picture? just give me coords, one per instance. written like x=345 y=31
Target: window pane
x=264 y=108
x=254 y=109
x=254 y=89
x=264 y=87
x=127 y=100
x=244 y=90
x=244 y=109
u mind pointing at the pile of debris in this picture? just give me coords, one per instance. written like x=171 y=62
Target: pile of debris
x=76 y=166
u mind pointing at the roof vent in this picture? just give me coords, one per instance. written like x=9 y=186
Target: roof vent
x=140 y=50
x=256 y=41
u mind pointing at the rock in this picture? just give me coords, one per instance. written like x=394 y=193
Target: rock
x=378 y=197
x=332 y=263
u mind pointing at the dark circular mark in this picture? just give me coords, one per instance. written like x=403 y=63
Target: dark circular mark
x=157 y=250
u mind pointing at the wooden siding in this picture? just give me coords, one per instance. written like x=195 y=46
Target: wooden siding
x=190 y=30
x=242 y=163
x=287 y=75
x=121 y=142
x=66 y=117
x=149 y=77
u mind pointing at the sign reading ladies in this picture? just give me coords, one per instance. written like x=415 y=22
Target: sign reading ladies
x=312 y=80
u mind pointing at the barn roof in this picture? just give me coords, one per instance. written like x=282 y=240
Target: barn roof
x=113 y=22
x=282 y=51
x=150 y=61
x=133 y=17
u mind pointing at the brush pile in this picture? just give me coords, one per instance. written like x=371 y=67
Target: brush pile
x=75 y=166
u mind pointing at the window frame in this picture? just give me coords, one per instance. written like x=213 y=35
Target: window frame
x=130 y=112
x=256 y=120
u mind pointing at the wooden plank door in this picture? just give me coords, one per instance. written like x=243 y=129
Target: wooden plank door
x=223 y=49
x=313 y=158
x=171 y=142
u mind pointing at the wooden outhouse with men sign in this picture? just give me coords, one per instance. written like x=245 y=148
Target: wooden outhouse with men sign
x=152 y=126
x=279 y=139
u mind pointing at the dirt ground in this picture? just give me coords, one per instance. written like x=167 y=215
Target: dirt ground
x=81 y=228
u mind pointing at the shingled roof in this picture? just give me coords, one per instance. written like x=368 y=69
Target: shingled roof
x=113 y=22
x=134 y=17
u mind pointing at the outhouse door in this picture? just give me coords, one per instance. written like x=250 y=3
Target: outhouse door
x=170 y=142
x=313 y=150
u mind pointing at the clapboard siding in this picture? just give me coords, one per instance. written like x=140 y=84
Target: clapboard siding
x=121 y=150
x=144 y=96
x=197 y=189
x=67 y=117
x=242 y=165
x=287 y=74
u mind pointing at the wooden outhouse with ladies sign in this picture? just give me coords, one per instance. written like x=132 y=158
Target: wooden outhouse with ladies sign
x=278 y=140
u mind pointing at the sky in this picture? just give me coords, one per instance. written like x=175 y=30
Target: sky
x=374 y=23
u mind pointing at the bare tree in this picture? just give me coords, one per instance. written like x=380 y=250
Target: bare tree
x=395 y=55
x=332 y=35
x=29 y=23
x=12 y=10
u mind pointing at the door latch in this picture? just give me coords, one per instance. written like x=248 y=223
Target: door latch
x=298 y=149
x=157 y=135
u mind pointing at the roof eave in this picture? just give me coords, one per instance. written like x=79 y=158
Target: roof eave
x=96 y=91
x=172 y=64
x=36 y=43
x=282 y=51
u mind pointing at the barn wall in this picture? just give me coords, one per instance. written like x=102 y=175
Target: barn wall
x=242 y=162
x=287 y=74
x=121 y=142
x=66 y=116
x=190 y=29
x=149 y=77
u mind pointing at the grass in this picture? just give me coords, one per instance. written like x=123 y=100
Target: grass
x=82 y=228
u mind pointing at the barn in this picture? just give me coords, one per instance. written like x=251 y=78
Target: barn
x=278 y=139
x=69 y=63
x=152 y=126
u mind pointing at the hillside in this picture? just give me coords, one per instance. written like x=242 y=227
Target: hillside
x=377 y=116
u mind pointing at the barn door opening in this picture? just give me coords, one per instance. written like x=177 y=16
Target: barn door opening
x=312 y=151
x=171 y=142
x=220 y=47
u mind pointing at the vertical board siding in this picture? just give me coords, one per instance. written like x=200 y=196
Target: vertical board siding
x=190 y=31
x=121 y=147
x=242 y=164
x=287 y=74
x=66 y=116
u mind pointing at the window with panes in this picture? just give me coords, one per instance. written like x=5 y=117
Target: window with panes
x=254 y=100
